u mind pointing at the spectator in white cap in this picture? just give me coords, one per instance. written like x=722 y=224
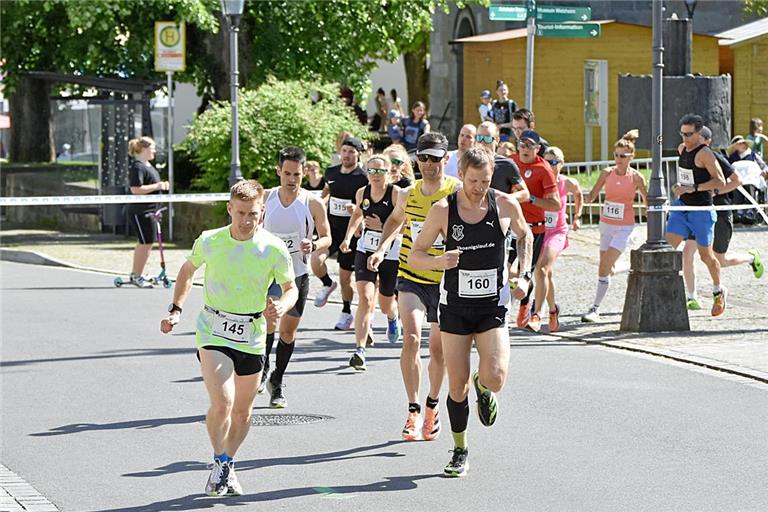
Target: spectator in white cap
x=485 y=108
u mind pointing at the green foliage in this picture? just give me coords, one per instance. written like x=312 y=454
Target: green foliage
x=93 y=37
x=759 y=7
x=275 y=115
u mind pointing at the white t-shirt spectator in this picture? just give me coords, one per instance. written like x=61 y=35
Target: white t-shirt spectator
x=452 y=166
x=486 y=112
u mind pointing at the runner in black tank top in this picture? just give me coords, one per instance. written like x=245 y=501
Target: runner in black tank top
x=474 y=289
x=480 y=280
x=698 y=176
x=374 y=203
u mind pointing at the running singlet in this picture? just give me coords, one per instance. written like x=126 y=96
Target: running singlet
x=237 y=276
x=343 y=188
x=481 y=277
x=369 y=242
x=540 y=181
x=689 y=174
x=558 y=221
x=619 y=198
x=416 y=210
x=291 y=224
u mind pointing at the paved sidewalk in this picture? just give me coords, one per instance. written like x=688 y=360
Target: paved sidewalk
x=737 y=342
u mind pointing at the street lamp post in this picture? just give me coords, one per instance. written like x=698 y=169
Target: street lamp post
x=233 y=10
x=655 y=299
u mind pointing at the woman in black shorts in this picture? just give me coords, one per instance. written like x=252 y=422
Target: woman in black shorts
x=373 y=205
x=143 y=179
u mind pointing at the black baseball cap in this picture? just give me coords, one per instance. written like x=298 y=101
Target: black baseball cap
x=355 y=143
x=432 y=144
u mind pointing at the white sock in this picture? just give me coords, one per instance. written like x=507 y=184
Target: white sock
x=602 y=288
x=691 y=295
x=716 y=289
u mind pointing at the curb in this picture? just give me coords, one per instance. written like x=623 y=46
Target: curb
x=39 y=258
x=16 y=495
x=674 y=355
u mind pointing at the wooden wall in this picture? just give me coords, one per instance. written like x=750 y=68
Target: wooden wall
x=559 y=77
x=750 y=83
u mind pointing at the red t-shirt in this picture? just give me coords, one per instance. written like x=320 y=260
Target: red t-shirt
x=540 y=180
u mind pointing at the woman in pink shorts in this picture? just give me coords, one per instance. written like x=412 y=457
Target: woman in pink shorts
x=555 y=240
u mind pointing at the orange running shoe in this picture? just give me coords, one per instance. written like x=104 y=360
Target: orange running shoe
x=554 y=319
x=410 y=432
x=718 y=303
x=431 y=427
x=534 y=323
x=523 y=315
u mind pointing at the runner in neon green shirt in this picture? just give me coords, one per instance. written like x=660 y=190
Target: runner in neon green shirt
x=241 y=261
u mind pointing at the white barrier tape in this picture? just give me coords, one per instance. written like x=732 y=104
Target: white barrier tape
x=119 y=199
x=670 y=208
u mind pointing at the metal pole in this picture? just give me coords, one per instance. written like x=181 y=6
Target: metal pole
x=657 y=191
x=170 y=153
x=529 y=61
x=234 y=174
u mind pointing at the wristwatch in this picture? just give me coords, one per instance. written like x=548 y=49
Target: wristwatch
x=695 y=187
x=173 y=307
x=532 y=199
x=314 y=246
x=527 y=275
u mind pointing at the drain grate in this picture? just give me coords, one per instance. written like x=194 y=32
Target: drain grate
x=286 y=419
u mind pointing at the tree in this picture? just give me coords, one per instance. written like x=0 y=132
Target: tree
x=274 y=115
x=759 y=7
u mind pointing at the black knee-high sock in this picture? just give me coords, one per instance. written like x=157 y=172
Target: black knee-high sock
x=346 y=307
x=458 y=413
x=270 y=342
x=326 y=279
x=282 y=357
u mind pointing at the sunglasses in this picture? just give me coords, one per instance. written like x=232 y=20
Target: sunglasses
x=429 y=158
x=484 y=138
x=527 y=145
x=375 y=171
x=688 y=134
x=395 y=161
x=554 y=163
x=622 y=155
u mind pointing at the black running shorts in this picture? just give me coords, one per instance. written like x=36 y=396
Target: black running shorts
x=302 y=283
x=146 y=228
x=346 y=260
x=428 y=294
x=464 y=321
x=245 y=364
x=387 y=273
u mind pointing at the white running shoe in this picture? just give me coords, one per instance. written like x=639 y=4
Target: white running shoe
x=322 y=297
x=591 y=316
x=217 y=480
x=233 y=484
x=345 y=322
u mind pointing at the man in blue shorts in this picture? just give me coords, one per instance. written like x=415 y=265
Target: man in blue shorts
x=698 y=176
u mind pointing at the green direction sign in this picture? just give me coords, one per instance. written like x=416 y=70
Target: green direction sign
x=507 y=12
x=563 y=13
x=587 y=30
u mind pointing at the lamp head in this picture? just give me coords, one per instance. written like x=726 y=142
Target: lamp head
x=690 y=6
x=232 y=7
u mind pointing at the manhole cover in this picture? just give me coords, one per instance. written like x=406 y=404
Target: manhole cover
x=281 y=420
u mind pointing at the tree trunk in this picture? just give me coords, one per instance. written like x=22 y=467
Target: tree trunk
x=215 y=48
x=417 y=75
x=31 y=130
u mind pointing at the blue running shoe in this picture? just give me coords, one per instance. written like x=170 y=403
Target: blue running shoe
x=393 y=330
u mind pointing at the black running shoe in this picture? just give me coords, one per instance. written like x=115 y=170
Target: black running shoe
x=277 y=400
x=459 y=464
x=487 y=405
x=357 y=361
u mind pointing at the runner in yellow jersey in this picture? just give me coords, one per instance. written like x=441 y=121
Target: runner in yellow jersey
x=419 y=290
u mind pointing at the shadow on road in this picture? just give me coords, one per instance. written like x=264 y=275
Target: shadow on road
x=200 y=502
x=104 y=355
x=300 y=460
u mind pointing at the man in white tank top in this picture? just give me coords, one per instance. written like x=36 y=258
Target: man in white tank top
x=292 y=214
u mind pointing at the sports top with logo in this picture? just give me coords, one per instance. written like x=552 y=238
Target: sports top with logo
x=689 y=174
x=291 y=224
x=619 y=198
x=342 y=187
x=558 y=221
x=382 y=209
x=237 y=276
x=480 y=279
x=540 y=181
x=416 y=210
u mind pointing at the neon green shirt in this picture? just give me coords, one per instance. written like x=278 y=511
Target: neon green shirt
x=237 y=276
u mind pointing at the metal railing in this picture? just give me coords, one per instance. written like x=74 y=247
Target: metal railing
x=592 y=170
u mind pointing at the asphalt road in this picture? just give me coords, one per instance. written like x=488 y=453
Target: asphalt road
x=102 y=412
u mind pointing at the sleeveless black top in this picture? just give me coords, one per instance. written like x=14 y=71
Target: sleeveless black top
x=382 y=209
x=480 y=280
x=689 y=174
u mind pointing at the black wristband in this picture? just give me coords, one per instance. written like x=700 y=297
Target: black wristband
x=314 y=246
